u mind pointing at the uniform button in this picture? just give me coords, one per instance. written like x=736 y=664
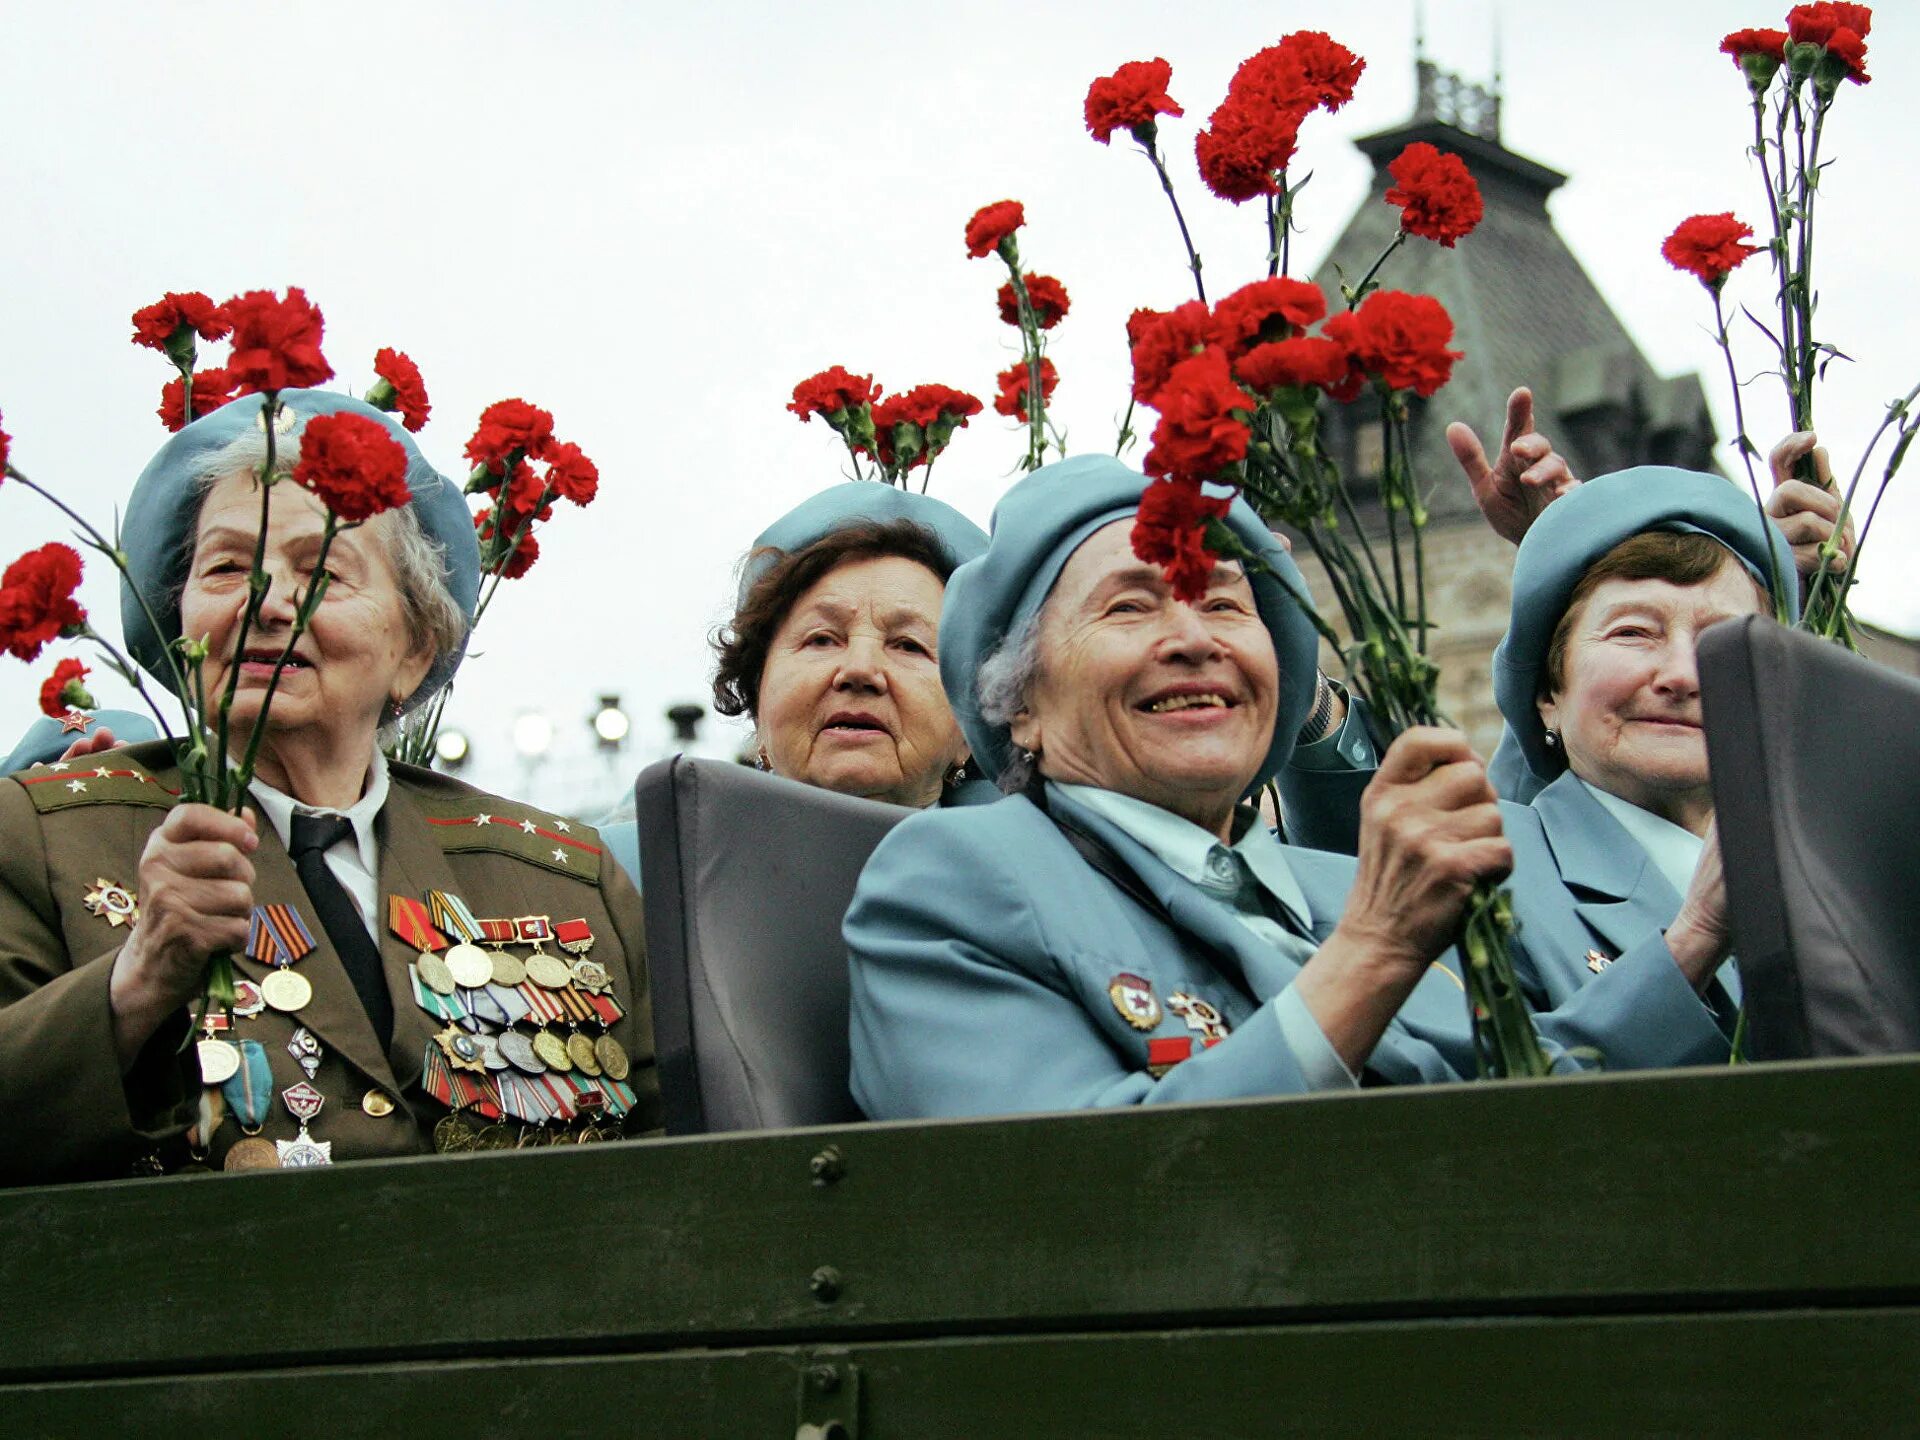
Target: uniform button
x=376 y=1103
x=1220 y=866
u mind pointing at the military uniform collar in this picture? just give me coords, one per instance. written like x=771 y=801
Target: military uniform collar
x=280 y=808
x=1673 y=849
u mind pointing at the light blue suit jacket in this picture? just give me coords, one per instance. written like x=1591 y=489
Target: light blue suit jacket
x=1585 y=891
x=983 y=946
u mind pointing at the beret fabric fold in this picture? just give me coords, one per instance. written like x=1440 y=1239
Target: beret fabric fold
x=848 y=503
x=47 y=740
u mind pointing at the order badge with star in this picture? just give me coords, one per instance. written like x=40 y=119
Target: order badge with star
x=112 y=902
x=1133 y=997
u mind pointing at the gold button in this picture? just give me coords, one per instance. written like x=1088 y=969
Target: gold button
x=376 y=1103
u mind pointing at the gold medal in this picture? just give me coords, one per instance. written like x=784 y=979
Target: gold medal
x=252 y=1153
x=552 y=1050
x=286 y=991
x=549 y=972
x=113 y=903
x=219 y=1062
x=1133 y=997
x=580 y=1051
x=376 y=1103
x=493 y=1137
x=612 y=1058
x=470 y=966
x=453 y=1135
x=434 y=973
x=591 y=975
x=507 y=969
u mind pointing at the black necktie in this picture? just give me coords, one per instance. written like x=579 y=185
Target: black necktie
x=312 y=837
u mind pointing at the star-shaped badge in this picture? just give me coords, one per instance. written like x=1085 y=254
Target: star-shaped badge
x=73 y=722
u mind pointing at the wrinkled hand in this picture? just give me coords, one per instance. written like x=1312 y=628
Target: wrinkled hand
x=196 y=896
x=1699 y=936
x=1526 y=477
x=101 y=739
x=1804 y=511
x=1429 y=830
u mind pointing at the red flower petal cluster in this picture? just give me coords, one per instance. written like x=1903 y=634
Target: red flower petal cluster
x=507 y=426
x=832 y=391
x=65 y=689
x=353 y=464
x=1253 y=133
x=1709 y=246
x=1129 y=99
x=1271 y=309
x=1308 y=360
x=1307 y=69
x=1170 y=529
x=916 y=426
x=1047 y=296
x=1437 y=195
x=1768 y=44
x=993 y=223
x=36 y=600
x=155 y=325
x=1199 y=434
x=1161 y=340
x=1400 y=339
x=6 y=444
x=513 y=563
x=1243 y=146
x=571 y=475
x=1016 y=380
x=403 y=391
x=212 y=388
x=276 y=343
x=524 y=496
x=1841 y=30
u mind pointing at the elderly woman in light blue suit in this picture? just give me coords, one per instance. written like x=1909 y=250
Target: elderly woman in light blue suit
x=1617 y=878
x=1120 y=929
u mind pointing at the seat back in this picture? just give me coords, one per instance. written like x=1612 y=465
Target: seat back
x=747 y=877
x=1815 y=755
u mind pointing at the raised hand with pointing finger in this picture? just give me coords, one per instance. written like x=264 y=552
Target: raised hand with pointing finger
x=1527 y=476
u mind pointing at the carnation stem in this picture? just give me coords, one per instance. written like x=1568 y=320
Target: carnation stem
x=258 y=583
x=308 y=603
x=1359 y=292
x=1036 y=405
x=1746 y=449
x=1186 y=238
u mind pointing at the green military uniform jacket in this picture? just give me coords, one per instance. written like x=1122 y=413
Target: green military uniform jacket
x=68 y=1113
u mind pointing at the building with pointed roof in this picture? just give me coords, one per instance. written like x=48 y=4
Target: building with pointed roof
x=1525 y=313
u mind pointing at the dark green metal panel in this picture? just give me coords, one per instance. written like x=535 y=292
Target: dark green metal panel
x=1646 y=1193
x=1772 y=1373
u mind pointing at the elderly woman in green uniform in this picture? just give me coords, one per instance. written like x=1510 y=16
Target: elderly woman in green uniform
x=412 y=954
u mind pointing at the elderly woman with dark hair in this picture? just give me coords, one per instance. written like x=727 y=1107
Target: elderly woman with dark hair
x=1121 y=929
x=353 y=1035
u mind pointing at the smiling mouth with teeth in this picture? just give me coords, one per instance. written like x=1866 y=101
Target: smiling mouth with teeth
x=1187 y=702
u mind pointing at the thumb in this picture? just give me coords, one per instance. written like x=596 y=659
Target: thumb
x=1469 y=452
x=1519 y=416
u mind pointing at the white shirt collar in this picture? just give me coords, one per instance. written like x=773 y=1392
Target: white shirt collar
x=1187 y=850
x=1674 y=849
x=280 y=809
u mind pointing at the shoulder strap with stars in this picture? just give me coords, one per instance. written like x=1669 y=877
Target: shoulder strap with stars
x=480 y=822
x=114 y=778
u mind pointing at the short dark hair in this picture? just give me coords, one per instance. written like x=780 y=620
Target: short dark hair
x=1680 y=557
x=741 y=645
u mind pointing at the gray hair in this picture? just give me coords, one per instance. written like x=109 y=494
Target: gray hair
x=419 y=562
x=1004 y=687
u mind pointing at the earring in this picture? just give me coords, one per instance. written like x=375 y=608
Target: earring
x=760 y=761
x=957 y=775
x=394 y=711
x=1552 y=738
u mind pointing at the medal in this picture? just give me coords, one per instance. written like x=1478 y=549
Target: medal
x=490 y=1055
x=304 y=1047
x=574 y=936
x=247 y=1001
x=580 y=1051
x=249 y=1090
x=434 y=973
x=453 y=1135
x=470 y=966
x=461 y=1049
x=286 y=991
x=1199 y=1014
x=613 y=1059
x=552 y=1051
x=1596 y=962
x=1133 y=997
x=549 y=971
x=520 y=1053
x=219 y=1061
x=533 y=930
x=252 y=1153
x=591 y=975
x=507 y=969
x=113 y=903
x=1163 y=1055
x=277 y=936
x=303 y=1102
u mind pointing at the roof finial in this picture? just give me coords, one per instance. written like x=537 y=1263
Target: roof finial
x=1419 y=31
x=1496 y=53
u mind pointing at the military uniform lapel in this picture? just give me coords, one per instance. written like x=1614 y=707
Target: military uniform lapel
x=411 y=864
x=1620 y=893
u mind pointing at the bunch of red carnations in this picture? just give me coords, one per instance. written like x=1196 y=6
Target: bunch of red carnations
x=895 y=435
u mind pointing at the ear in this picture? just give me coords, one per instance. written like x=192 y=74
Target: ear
x=1026 y=732
x=413 y=670
x=1549 y=708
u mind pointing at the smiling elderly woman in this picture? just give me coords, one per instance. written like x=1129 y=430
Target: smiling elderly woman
x=1121 y=930
x=353 y=1035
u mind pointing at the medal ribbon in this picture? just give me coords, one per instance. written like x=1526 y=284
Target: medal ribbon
x=441 y=1007
x=558 y=1092
x=249 y=1090
x=475 y=1091
x=577 y=1007
x=483 y=1006
x=451 y=914
x=407 y=918
x=542 y=1003
x=575 y=936
x=276 y=935
x=532 y=929
x=620 y=1097
x=499 y=932
x=436 y=1077
x=512 y=1003
x=519 y=1100
x=606 y=1008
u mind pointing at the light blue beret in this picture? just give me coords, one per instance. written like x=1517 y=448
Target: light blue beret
x=1037 y=526
x=1577 y=530
x=163 y=513
x=48 y=739
x=848 y=503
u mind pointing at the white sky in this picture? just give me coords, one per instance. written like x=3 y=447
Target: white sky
x=653 y=219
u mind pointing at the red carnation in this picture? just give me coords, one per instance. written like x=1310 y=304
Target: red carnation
x=1047 y=296
x=36 y=599
x=1162 y=342
x=832 y=391
x=1242 y=146
x=526 y=495
x=1768 y=44
x=212 y=388
x=1016 y=380
x=155 y=325
x=1850 y=50
x=6 y=444
x=1129 y=99
x=1343 y=332
x=1306 y=361
x=571 y=475
x=400 y=388
x=1709 y=246
x=1199 y=435
x=507 y=426
x=991 y=224
x=65 y=690
x=276 y=343
x=515 y=562
x=1402 y=339
x=1818 y=24
x=916 y=426
x=1437 y=196
x=1305 y=71
x=353 y=464
x=1270 y=309
x=1170 y=530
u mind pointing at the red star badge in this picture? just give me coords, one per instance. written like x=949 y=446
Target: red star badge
x=73 y=721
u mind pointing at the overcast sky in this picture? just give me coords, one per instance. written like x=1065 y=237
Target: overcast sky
x=654 y=219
